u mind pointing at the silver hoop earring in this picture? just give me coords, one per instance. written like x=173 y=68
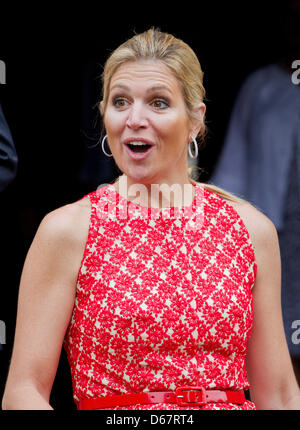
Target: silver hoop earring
x=102 y=144
x=196 y=148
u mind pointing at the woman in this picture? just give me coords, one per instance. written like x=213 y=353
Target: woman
x=153 y=314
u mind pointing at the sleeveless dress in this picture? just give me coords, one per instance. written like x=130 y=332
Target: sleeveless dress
x=163 y=299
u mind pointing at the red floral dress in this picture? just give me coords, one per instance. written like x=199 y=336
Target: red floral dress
x=163 y=299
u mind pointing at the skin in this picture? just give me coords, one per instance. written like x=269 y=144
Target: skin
x=268 y=363
x=137 y=109
x=48 y=282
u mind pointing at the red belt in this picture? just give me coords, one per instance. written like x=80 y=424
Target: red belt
x=183 y=396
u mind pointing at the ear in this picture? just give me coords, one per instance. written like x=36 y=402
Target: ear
x=197 y=120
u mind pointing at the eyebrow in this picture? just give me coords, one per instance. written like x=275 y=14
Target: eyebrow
x=149 y=90
x=158 y=88
x=122 y=87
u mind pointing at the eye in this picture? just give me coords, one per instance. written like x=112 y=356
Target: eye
x=160 y=104
x=119 y=102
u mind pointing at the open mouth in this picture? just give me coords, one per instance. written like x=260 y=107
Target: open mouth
x=139 y=148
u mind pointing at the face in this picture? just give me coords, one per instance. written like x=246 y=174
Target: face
x=146 y=106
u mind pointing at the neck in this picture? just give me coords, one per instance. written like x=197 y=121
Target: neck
x=157 y=195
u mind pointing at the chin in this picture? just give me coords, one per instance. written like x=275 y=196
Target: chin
x=139 y=175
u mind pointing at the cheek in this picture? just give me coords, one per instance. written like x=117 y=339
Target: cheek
x=113 y=122
x=172 y=128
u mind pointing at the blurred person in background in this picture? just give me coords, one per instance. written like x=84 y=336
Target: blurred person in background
x=260 y=161
x=8 y=155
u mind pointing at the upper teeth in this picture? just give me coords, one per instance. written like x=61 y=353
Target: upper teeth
x=138 y=143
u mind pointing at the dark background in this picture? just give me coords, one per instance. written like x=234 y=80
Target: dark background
x=57 y=163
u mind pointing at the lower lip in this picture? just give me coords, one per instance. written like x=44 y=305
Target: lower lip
x=138 y=155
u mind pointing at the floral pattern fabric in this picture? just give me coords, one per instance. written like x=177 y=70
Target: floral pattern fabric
x=160 y=304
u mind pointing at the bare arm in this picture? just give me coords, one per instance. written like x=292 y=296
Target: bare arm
x=270 y=371
x=45 y=304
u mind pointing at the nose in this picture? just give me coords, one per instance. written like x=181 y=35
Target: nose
x=136 y=117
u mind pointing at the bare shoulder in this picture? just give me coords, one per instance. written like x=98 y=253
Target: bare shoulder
x=258 y=225
x=67 y=223
x=260 y=228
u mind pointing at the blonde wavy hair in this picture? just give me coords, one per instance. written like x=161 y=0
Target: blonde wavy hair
x=185 y=66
